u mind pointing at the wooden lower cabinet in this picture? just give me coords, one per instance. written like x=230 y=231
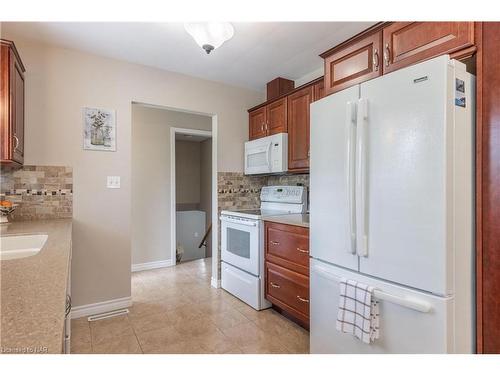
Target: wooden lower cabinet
x=287 y=270
x=408 y=43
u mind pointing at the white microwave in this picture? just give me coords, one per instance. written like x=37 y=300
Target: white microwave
x=267 y=155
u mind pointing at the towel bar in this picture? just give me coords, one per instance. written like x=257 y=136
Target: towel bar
x=411 y=303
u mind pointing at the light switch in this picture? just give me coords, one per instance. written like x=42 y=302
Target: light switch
x=113 y=182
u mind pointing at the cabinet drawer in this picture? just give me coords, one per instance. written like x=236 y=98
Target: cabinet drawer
x=288 y=246
x=288 y=290
x=407 y=43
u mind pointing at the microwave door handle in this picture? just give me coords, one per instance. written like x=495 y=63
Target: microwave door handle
x=269 y=147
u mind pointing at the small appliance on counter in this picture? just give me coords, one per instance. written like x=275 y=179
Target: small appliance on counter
x=242 y=242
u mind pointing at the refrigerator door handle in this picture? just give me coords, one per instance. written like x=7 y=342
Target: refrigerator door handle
x=361 y=148
x=405 y=301
x=350 y=173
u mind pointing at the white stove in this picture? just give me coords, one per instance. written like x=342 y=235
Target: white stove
x=242 y=242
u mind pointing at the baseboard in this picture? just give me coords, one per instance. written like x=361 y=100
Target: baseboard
x=100 y=307
x=215 y=283
x=152 y=265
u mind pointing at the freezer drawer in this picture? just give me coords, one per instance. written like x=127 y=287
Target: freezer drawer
x=403 y=329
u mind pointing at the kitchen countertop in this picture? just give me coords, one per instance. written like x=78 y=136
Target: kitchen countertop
x=301 y=220
x=33 y=290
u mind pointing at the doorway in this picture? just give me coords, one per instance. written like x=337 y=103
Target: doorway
x=154 y=206
x=193 y=194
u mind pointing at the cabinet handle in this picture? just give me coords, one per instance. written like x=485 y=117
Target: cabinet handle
x=262 y=127
x=387 y=54
x=302 y=250
x=274 y=243
x=302 y=299
x=375 y=60
x=267 y=126
x=274 y=285
x=17 y=142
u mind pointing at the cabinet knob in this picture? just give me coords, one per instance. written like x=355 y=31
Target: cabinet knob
x=275 y=285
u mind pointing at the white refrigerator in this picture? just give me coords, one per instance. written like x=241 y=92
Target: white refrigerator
x=391 y=205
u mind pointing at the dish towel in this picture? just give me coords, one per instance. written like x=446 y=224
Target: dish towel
x=358 y=312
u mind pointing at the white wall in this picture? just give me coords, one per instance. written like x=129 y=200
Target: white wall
x=206 y=187
x=187 y=172
x=151 y=178
x=59 y=82
x=310 y=76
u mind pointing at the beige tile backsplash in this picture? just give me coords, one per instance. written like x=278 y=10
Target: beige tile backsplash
x=41 y=192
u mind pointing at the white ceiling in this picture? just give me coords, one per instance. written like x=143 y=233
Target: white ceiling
x=256 y=54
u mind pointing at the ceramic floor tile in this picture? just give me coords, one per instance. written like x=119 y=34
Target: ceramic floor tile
x=228 y=318
x=127 y=344
x=175 y=310
x=191 y=328
x=149 y=322
x=106 y=329
x=80 y=346
x=244 y=334
x=80 y=330
x=158 y=340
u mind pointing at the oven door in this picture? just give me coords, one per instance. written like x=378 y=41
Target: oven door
x=240 y=243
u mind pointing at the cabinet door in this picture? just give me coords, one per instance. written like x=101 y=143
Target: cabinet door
x=407 y=43
x=257 y=123
x=276 y=119
x=319 y=90
x=17 y=107
x=357 y=62
x=298 y=128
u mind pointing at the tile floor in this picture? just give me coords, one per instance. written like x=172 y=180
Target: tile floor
x=175 y=310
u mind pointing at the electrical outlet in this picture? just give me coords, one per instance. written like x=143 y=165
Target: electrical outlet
x=113 y=182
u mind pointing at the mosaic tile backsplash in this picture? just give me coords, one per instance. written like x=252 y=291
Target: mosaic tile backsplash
x=239 y=192
x=41 y=192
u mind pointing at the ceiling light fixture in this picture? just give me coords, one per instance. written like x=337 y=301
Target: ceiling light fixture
x=210 y=35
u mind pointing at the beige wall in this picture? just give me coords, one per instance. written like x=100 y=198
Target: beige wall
x=187 y=172
x=206 y=187
x=59 y=82
x=151 y=188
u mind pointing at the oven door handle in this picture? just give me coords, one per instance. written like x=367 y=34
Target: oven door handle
x=225 y=219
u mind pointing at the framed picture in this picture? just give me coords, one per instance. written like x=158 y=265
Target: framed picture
x=99 y=129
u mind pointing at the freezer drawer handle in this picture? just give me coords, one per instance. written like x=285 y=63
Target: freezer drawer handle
x=411 y=303
x=302 y=299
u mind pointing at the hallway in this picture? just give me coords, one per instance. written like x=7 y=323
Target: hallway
x=175 y=310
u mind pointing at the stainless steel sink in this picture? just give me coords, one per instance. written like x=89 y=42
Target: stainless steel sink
x=21 y=246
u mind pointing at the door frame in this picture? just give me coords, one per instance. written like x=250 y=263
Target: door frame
x=173 y=202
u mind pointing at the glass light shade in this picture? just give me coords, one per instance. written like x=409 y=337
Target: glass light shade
x=210 y=35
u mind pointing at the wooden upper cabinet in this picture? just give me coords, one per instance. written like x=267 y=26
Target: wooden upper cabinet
x=407 y=43
x=11 y=104
x=319 y=90
x=257 y=123
x=298 y=128
x=354 y=63
x=276 y=117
